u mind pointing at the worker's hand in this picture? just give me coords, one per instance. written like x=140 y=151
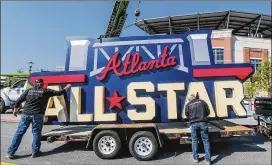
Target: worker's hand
x=67 y=86
x=16 y=112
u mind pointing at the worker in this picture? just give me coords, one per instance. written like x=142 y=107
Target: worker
x=197 y=111
x=34 y=109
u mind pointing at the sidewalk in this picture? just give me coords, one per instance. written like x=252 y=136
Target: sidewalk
x=10 y=118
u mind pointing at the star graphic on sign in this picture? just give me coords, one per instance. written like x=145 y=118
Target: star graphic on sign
x=115 y=100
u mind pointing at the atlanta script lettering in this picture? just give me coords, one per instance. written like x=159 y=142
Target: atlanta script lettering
x=134 y=64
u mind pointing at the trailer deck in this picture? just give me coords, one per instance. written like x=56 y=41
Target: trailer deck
x=180 y=130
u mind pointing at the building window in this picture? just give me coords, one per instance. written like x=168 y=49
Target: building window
x=256 y=63
x=218 y=55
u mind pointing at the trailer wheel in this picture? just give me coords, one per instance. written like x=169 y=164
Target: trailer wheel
x=2 y=106
x=143 y=145
x=107 y=144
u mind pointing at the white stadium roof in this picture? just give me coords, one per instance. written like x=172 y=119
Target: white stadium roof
x=241 y=23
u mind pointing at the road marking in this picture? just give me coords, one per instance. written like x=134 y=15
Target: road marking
x=5 y=163
x=9 y=121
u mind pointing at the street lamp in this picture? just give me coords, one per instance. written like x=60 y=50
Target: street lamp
x=30 y=66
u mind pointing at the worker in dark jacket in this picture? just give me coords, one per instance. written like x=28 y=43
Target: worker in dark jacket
x=34 y=109
x=197 y=112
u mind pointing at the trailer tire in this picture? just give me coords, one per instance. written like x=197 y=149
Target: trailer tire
x=107 y=144
x=2 y=106
x=143 y=145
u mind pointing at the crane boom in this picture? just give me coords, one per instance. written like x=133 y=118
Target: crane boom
x=117 y=19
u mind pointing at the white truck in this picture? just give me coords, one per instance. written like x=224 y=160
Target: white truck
x=10 y=94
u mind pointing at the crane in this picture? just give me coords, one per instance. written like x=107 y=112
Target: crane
x=117 y=19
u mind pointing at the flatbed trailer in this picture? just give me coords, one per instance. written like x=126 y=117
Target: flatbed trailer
x=154 y=134
x=134 y=90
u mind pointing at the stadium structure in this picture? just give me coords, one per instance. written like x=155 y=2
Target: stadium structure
x=237 y=37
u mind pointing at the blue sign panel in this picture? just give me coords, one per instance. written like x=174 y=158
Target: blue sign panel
x=144 y=79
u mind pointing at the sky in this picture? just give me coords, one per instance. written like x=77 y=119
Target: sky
x=36 y=31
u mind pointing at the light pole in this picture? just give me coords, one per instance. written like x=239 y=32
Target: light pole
x=30 y=66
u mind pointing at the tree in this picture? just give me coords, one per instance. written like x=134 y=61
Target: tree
x=263 y=76
x=260 y=81
x=250 y=88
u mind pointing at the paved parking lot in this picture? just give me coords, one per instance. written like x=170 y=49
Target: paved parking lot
x=239 y=150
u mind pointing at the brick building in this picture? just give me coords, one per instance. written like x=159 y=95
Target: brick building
x=229 y=48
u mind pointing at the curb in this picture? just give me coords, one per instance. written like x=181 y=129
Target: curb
x=9 y=121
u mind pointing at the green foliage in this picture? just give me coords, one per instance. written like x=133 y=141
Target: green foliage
x=263 y=76
x=250 y=88
x=18 y=75
x=260 y=81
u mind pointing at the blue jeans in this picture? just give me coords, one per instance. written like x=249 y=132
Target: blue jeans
x=37 y=124
x=204 y=132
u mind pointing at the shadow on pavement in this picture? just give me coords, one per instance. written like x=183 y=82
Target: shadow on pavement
x=21 y=156
x=220 y=149
x=172 y=149
x=239 y=144
x=67 y=147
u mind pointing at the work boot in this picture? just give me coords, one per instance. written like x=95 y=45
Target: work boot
x=196 y=160
x=208 y=162
x=36 y=154
x=10 y=156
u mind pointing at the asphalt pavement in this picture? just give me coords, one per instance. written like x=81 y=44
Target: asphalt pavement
x=238 y=150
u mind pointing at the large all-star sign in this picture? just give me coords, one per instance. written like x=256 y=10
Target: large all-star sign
x=149 y=78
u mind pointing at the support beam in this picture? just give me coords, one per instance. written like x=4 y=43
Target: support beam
x=258 y=26
x=170 y=25
x=227 y=15
x=228 y=20
x=149 y=28
x=145 y=27
x=267 y=36
x=245 y=25
x=264 y=29
x=198 y=21
x=249 y=31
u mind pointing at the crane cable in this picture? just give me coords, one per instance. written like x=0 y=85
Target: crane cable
x=138 y=10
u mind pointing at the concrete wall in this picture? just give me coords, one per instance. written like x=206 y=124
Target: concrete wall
x=239 y=43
